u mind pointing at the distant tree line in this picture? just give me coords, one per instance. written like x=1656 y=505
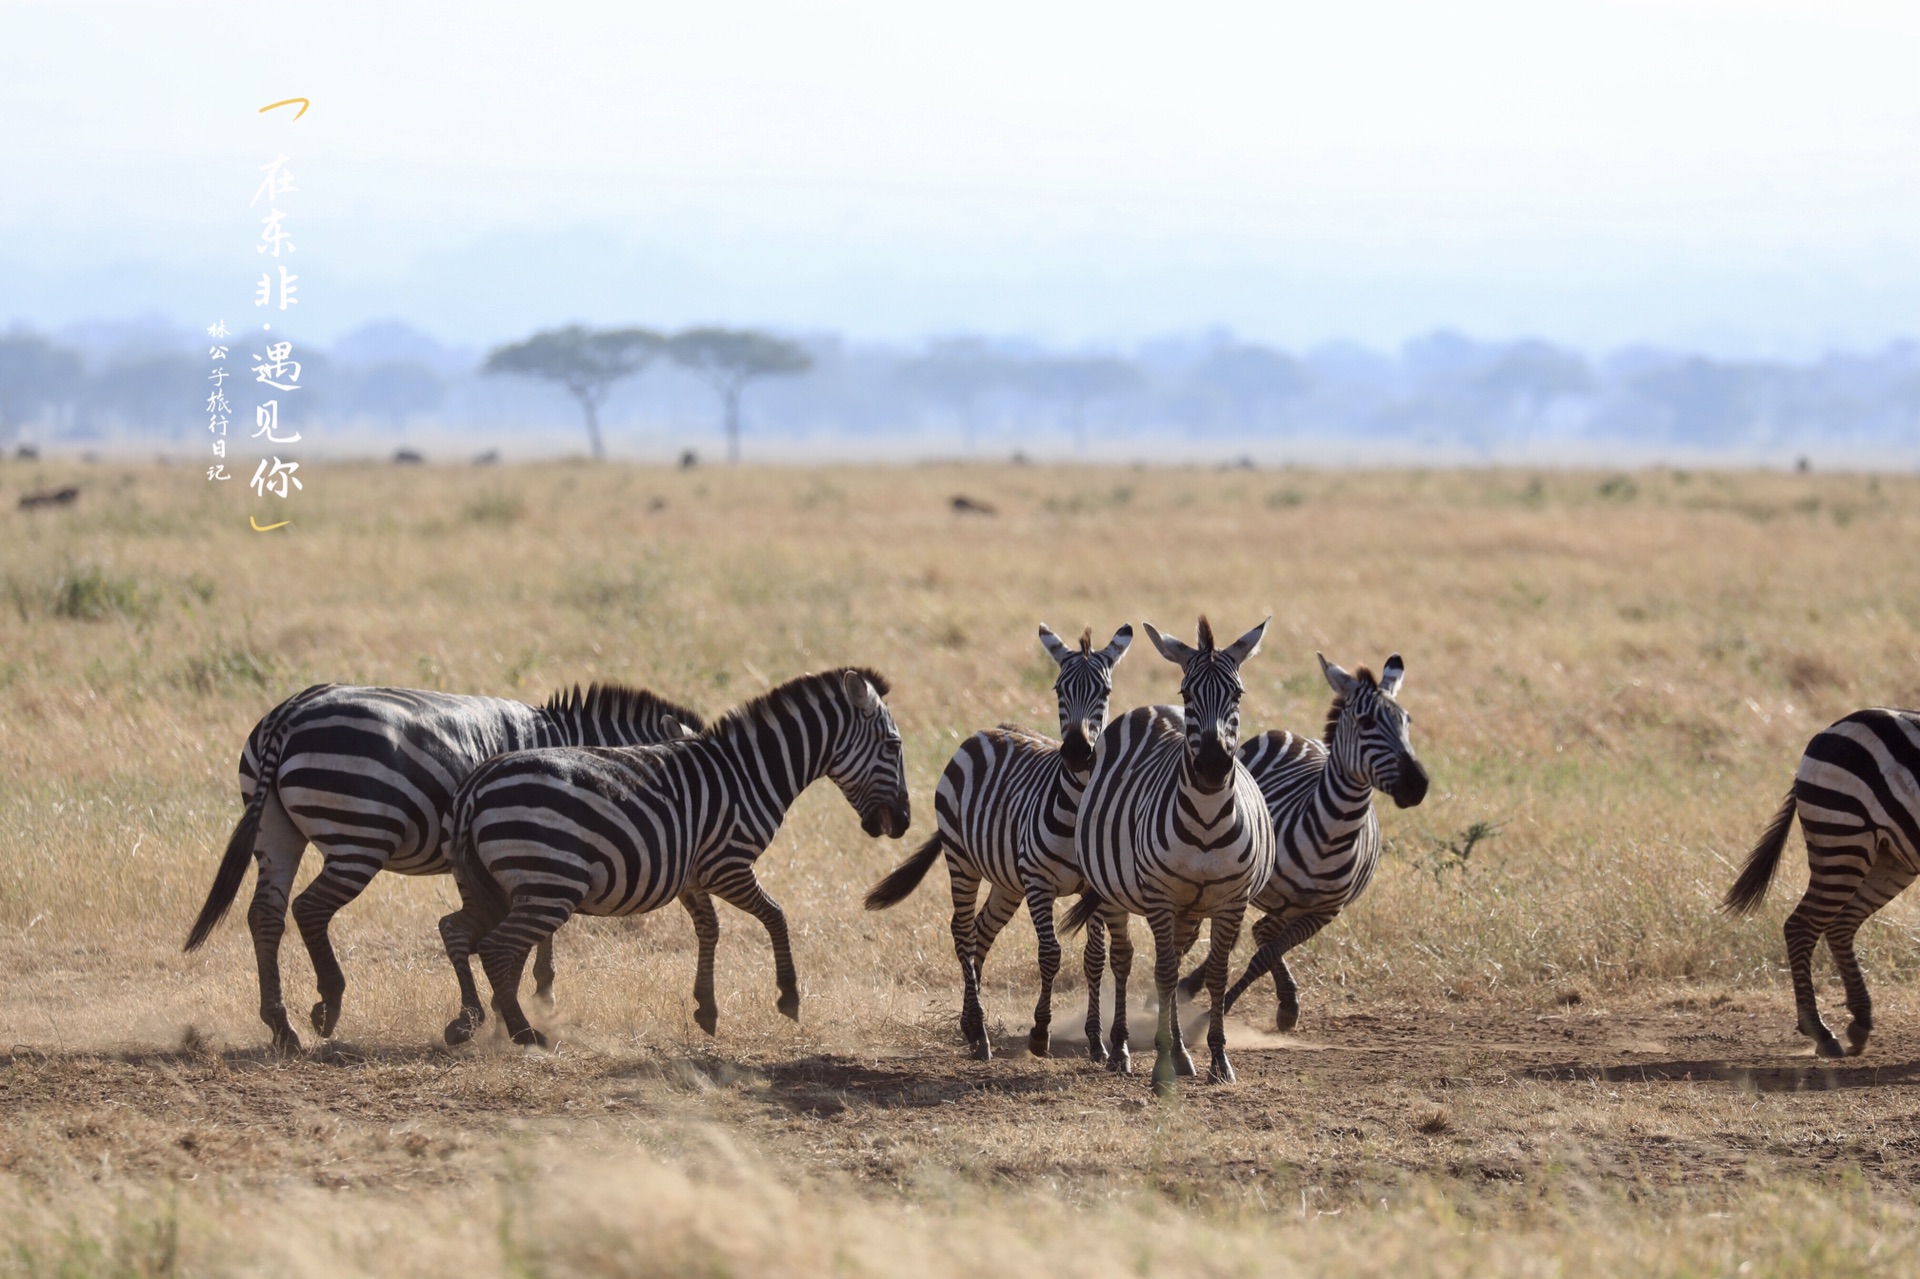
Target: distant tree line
x=969 y=393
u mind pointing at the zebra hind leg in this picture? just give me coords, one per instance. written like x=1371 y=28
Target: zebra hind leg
x=1836 y=869
x=1000 y=907
x=1094 y=964
x=277 y=850
x=1120 y=948
x=338 y=883
x=460 y=932
x=543 y=973
x=1882 y=885
x=973 y=1022
x=503 y=953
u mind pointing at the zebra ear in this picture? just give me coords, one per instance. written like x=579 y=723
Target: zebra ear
x=862 y=694
x=671 y=729
x=1247 y=645
x=1170 y=648
x=1055 y=648
x=1337 y=678
x=1391 y=674
x=1117 y=646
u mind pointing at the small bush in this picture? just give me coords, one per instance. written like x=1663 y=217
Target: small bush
x=501 y=509
x=225 y=669
x=89 y=593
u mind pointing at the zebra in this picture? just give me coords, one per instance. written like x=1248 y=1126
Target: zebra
x=1326 y=835
x=1006 y=805
x=367 y=775
x=541 y=835
x=1173 y=827
x=1857 y=794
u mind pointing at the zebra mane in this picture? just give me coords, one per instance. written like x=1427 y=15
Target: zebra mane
x=618 y=703
x=1086 y=641
x=798 y=687
x=1206 y=634
x=1363 y=675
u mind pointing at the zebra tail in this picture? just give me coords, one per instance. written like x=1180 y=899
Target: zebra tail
x=233 y=866
x=1082 y=913
x=905 y=877
x=1756 y=876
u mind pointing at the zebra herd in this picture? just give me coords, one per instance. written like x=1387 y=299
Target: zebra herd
x=617 y=802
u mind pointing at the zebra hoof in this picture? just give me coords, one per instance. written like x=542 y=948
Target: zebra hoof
x=544 y=996
x=1828 y=1046
x=530 y=1038
x=707 y=1018
x=1121 y=1062
x=1039 y=1041
x=1189 y=987
x=325 y=1017
x=1286 y=1018
x=285 y=1042
x=1183 y=1065
x=1096 y=1051
x=1221 y=1071
x=789 y=1006
x=1165 y=1077
x=1857 y=1037
x=981 y=1049
x=460 y=1029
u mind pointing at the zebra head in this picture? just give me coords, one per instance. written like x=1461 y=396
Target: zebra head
x=1210 y=688
x=1084 y=687
x=1367 y=731
x=866 y=761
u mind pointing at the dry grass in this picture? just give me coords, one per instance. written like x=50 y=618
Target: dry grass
x=1615 y=680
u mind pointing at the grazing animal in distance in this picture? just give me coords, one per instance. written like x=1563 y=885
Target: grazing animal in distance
x=1173 y=827
x=542 y=835
x=1326 y=834
x=1006 y=806
x=368 y=775
x=1857 y=795
x=54 y=497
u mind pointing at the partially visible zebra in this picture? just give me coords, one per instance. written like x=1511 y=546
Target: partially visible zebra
x=1006 y=806
x=1173 y=827
x=1326 y=834
x=1857 y=794
x=540 y=836
x=367 y=775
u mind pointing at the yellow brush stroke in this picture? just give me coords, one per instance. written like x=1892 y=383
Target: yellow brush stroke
x=304 y=104
x=258 y=527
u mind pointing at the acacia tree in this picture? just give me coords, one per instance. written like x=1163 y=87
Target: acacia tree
x=1076 y=381
x=587 y=362
x=728 y=359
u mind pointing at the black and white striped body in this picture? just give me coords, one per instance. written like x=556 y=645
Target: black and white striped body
x=1172 y=827
x=1319 y=796
x=1006 y=807
x=368 y=776
x=1857 y=795
x=540 y=836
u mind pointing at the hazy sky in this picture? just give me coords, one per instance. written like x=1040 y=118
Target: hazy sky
x=1740 y=176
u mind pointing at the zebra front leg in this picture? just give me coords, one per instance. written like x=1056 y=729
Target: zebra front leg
x=706 y=930
x=1221 y=937
x=1185 y=933
x=1276 y=936
x=503 y=953
x=740 y=889
x=277 y=851
x=342 y=879
x=1120 y=948
x=1040 y=911
x=1836 y=872
x=1094 y=965
x=1882 y=885
x=1166 y=975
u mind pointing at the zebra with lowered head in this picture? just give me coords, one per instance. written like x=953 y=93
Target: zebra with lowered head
x=540 y=836
x=1857 y=795
x=1006 y=806
x=367 y=775
x=1173 y=827
x=1326 y=835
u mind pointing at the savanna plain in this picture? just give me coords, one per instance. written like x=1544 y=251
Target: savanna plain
x=1533 y=1047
